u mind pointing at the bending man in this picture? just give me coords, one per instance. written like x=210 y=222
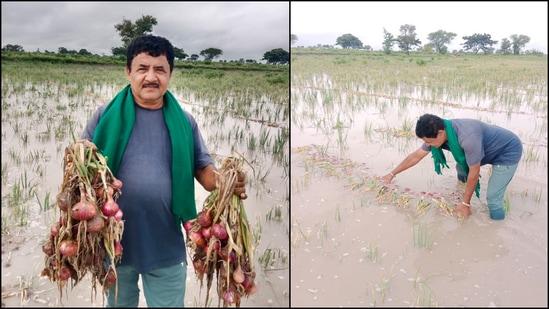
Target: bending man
x=472 y=143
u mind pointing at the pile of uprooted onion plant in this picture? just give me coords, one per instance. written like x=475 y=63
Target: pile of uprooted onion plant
x=220 y=241
x=90 y=223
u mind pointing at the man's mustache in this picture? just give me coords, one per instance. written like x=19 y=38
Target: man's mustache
x=151 y=85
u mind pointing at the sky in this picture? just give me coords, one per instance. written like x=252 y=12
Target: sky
x=323 y=22
x=244 y=30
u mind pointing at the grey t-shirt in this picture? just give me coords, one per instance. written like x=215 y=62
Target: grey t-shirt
x=151 y=238
x=485 y=143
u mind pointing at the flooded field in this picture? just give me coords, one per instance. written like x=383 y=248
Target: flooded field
x=357 y=242
x=45 y=106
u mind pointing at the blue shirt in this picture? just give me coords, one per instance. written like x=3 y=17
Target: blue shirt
x=151 y=238
x=485 y=143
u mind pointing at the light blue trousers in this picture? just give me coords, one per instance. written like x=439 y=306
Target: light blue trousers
x=164 y=287
x=500 y=178
x=497 y=184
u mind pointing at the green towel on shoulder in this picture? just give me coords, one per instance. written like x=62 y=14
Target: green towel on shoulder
x=457 y=152
x=113 y=132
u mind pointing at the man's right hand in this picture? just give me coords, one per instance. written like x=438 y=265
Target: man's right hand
x=387 y=178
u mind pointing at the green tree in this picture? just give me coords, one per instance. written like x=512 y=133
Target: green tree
x=277 y=56
x=428 y=48
x=194 y=57
x=349 y=41
x=129 y=30
x=518 y=42
x=440 y=39
x=179 y=53
x=407 y=38
x=211 y=53
x=388 y=41
x=293 y=38
x=478 y=42
x=64 y=51
x=84 y=52
x=118 y=51
x=505 y=47
x=14 y=48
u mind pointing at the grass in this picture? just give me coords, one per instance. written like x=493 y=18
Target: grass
x=4 y=172
x=300 y=235
x=323 y=232
x=381 y=289
x=45 y=204
x=424 y=298
x=15 y=156
x=275 y=214
x=423 y=236
x=537 y=194
x=531 y=155
x=425 y=292
x=506 y=203
x=273 y=259
x=368 y=130
x=5 y=223
x=372 y=254
x=338 y=213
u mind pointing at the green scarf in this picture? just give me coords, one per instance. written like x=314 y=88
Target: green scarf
x=457 y=152
x=113 y=132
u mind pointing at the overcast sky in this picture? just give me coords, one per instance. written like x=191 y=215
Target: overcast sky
x=240 y=29
x=322 y=23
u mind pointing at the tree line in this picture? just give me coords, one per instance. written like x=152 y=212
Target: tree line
x=129 y=31
x=438 y=42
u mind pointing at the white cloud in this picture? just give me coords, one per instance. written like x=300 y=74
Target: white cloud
x=322 y=22
x=241 y=29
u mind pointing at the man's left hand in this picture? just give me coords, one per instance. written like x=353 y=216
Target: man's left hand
x=240 y=187
x=464 y=210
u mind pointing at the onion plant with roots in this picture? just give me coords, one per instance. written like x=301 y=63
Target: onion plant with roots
x=220 y=240
x=90 y=223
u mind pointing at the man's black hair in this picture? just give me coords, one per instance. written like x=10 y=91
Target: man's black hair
x=152 y=45
x=428 y=126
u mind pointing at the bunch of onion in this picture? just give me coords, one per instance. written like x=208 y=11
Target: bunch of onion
x=219 y=239
x=90 y=223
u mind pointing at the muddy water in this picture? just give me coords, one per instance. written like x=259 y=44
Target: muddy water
x=349 y=249
x=370 y=257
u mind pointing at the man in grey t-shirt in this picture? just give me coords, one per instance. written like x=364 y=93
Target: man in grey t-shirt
x=478 y=143
x=155 y=148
